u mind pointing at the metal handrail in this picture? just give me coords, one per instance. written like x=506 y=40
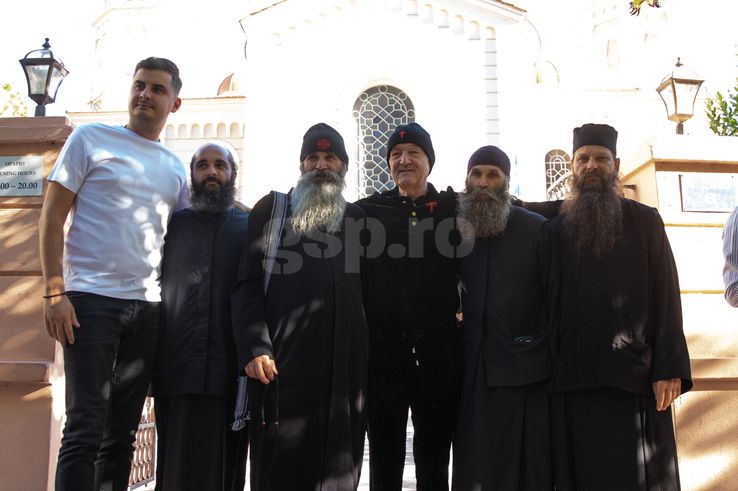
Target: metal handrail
x=143 y=467
x=559 y=189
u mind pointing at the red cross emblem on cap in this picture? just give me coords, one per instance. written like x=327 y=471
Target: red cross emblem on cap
x=402 y=134
x=323 y=144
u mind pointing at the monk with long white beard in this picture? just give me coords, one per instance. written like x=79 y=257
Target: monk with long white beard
x=301 y=330
x=317 y=202
x=503 y=438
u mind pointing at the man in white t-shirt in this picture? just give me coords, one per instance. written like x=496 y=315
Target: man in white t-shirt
x=121 y=185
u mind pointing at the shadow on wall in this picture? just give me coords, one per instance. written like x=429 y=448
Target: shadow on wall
x=22 y=332
x=706 y=429
x=19 y=241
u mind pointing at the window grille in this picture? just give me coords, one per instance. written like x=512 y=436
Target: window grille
x=557 y=169
x=377 y=111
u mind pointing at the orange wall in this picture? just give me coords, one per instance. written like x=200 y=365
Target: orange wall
x=28 y=361
x=706 y=418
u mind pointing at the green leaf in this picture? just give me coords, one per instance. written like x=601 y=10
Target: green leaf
x=721 y=113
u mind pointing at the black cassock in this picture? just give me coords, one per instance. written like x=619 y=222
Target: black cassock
x=503 y=440
x=620 y=330
x=196 y=368
x=308 y=425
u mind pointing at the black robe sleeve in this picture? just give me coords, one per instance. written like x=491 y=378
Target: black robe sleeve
x=670 y=354
x=548 y=267
x=547 y=209
x=250 y=328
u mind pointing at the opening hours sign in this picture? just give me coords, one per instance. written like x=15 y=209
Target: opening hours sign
x=21 y=175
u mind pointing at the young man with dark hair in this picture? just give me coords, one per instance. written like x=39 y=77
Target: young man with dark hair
x=101 y=302
x=164 y=65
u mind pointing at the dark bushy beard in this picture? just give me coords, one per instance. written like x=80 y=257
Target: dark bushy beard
x=317 y=202
x=595 y=214
x=485 y=210
x=212 y=200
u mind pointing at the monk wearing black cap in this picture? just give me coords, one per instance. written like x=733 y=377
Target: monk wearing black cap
x=411 y=302
x=503 y=439
x=622 y=357
x=300 y=329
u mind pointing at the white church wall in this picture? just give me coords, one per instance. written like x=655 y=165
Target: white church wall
x=610 y=64
x=469 y=68
x=203 y=38
x=319 y=61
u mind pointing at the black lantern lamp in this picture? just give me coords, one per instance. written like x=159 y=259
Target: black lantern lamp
x=679 y=90
x=44 y=75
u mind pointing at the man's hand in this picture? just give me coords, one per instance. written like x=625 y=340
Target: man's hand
x=59 y=315
x=60 y=319
x=262 y=368
x=666 y=392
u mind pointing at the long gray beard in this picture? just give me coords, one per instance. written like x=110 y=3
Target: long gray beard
x=317 y=203
x=485 y=211
x=212 y=201
x=595 y=215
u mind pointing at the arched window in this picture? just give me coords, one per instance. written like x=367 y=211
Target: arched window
x=377 y=112
x=557 y=168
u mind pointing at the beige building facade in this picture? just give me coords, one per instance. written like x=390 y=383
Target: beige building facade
x=691 y=180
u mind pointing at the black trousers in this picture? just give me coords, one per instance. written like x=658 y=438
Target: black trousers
x=197 y=451
x=107 y=369
x=431 y=392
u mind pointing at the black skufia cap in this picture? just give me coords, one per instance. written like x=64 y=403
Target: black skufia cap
x=603 y=135
x=323 y=138
x=490 y=155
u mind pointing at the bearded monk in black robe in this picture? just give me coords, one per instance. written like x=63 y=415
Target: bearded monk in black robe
x=304 y=342
x=622 y=356
x=503 y=437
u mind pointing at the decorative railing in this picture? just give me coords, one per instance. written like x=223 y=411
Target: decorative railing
x=559 y=188
x=143 y=468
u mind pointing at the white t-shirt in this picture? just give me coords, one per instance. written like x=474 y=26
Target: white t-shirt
x=127 y=188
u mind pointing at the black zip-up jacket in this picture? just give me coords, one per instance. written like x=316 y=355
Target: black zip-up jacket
x=409 y=275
